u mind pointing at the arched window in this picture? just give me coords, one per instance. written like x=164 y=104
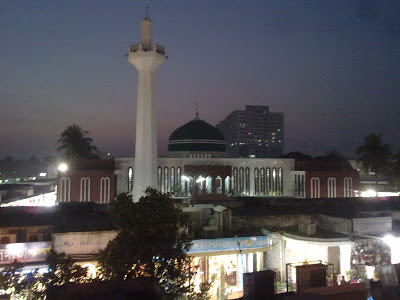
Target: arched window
x=5 y=240
x=268 y=182
x=218 y=185
x=166 y=180
x=256 y=182
x=247 y=180
x=280 y=181
x=262 y=181
x=173 y=187
x=105 y=190
x=274 y=181
x=130 y=179
x=348 y=187
x=241 y=180
x=179 y=177
x=315 y=187
x=235 y=179
x=65 y=189
x=331 y=187
x=85 y=189
x=159 y=178
x=208 y=185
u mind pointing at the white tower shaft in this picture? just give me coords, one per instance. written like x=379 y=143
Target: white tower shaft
x=146 y=57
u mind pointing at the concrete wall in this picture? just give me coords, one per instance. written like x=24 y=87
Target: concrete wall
x=335 y=224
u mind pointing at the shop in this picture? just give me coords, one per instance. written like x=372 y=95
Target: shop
x=222 y=262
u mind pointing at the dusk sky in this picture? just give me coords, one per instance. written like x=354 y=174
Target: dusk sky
x=332 y=67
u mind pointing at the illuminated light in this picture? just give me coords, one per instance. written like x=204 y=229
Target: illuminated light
x=185 y=178
x=42 y=174
x=91 y=270
x=394 y=244
x=369 y=193
x=33 y=178
x=200 y=179
x=62 y=167
x=15 y=249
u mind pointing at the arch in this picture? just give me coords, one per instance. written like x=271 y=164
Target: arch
x=235 y=179
x=105 y=190
x=268 y=181
x=331 y=187
x=315 y=187
x=241 y=180
x=218 y=185
x=348 y=187
x=262 y=181
x=85 y=190
x=280 y=181
x=274 y=181
x=179 y=177
x=256 y=182
x=172 y=179
x=247 y=181
x=130 y=179
x=166 y=180
x=208 y=185
x=159 y=178
x=65 y=189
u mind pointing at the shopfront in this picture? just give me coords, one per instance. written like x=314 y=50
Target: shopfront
x=222 y=262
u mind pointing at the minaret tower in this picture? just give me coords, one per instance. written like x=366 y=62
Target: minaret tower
x=146 y=56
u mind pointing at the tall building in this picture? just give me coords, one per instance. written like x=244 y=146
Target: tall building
x=146 y=56
x=254 y=132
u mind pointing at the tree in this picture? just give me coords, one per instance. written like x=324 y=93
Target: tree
x=374 y=156
x=75 y=144
x=33 y=285
x=396 y=170
x=152 y=242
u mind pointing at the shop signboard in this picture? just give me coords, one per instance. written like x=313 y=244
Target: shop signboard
x=24 y=252
x=229 y=244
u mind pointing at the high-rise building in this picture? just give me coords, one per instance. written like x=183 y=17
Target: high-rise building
x=254 y=132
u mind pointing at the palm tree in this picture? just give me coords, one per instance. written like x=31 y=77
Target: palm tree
x=374 y=156
x=75 y=144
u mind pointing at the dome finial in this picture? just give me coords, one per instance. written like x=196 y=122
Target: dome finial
x=197 y=110
x=147 y=11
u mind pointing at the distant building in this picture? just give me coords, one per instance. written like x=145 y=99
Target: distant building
x=254 y=132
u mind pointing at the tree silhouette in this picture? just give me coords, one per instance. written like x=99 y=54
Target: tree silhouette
x=152 y=242
x=374 y=156
x=76 y=145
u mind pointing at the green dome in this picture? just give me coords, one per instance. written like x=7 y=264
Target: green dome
x=197 y=135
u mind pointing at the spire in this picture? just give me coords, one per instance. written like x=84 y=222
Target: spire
x=197 y=111
x=146 y=32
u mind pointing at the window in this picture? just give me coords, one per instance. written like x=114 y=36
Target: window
x=218 y=185
x=348 y=187
x=280 y=181
x=166 y=180
x=159 y=178
x=274 y=181
x=208 y=185
x=268 y=182
x=262 y=181
x=33 y=238
x=315 y=187
x=85 y=190
x=241 y=180
x=179 y=177
x=256 y=182
x=235 y=179
x=5 y=240
x=173 y=187
x=105 y=190
x=130 y=179
x=247 y=180
x=331 y=187
x=65 y=190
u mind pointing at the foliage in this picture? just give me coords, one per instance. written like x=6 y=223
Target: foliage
x=152 y=242
x=34 y=285
x=396 y=170
x=373 y=155
x=75 y=144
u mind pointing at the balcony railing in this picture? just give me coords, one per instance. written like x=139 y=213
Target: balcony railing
x=147 y=47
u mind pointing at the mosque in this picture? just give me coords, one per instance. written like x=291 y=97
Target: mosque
x=197 y=165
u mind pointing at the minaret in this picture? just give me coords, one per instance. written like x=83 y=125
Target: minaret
x=146 y=56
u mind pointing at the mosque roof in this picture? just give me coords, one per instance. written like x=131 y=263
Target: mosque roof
x=197 y=135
